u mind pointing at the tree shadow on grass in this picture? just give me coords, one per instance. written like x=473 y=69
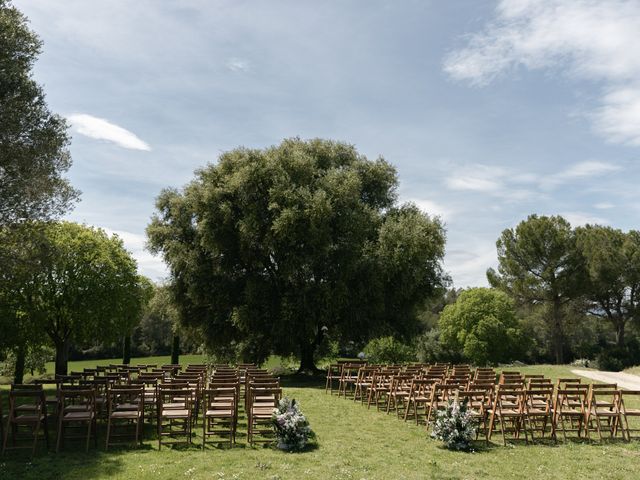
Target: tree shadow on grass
x=303 y=381
x=67 y=465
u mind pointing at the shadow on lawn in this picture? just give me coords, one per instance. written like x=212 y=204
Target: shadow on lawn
x=298 y=380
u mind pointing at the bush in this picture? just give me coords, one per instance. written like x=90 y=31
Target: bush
x=291 y=426
x=482 y=325
x=388 y=350
x=455 y=426
x=430 y=350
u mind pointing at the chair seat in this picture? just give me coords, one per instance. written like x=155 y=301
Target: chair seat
x=78 y=416
x=27 y=419
x=219 y=413
x=175 y=413
x=125 y=414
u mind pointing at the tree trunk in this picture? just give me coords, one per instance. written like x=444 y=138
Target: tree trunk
x=62 y=356
x=126 y=350
x=307 y=364
x=558 y=337
x=21 y=353
x=307 y=351
x=620 y=333
x=175 y=350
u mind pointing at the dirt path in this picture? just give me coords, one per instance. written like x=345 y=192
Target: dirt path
x=623 y=380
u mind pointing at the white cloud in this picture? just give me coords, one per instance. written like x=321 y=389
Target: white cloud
x=604 y=205
x=476 y=178
x=238 y=65
x=577 y=171
x=468 y=264
x=148 y=264
x=492 y=180
x=577 y=219
x=101 y=129
x=433 y=208
x=589 y=39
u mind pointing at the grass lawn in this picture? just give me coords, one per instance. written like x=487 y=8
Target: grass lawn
x=353 y=443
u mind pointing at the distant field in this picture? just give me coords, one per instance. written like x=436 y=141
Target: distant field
x=353 y=443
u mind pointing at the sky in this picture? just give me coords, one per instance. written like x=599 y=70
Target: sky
x=490 y=110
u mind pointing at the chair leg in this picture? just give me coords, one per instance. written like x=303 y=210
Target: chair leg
x=108 y=432
x=88 y=435
x=35 y=439
x=60 y=433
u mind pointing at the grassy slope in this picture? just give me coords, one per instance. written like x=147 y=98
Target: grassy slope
x=353 y=442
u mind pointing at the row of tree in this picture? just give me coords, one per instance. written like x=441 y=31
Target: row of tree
x=60 y=283
x=546 y=264
x=64 y=283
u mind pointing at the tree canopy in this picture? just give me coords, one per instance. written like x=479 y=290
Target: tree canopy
x=539 y=264
x=270 y=249
x=80 y=284
x=612 y=270
x=34 y=142
x=482 y=325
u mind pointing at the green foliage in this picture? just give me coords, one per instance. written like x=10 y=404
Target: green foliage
x=429 y=349
x=70 y=282
x=388 y=350
x=34 y=142
x=616 y=358
x=35 y=361
x=612 y=264
x=539 y=264
x=483 y=326
x=273 y=248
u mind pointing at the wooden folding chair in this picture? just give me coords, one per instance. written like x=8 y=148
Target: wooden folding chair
x=262 y=401
x=399 y=393
x=379 y=389
x=348 y=378
x=441 y=393
x=570 y=403
x=333 y=375
x=150 y=396
x=32 y=419
x=175 y=402
x=363 y=383
x=509 y=411
x=125 y=407
x=478 y=405
x=603 y=408
x=77 y=407
x=539 y=410
x=630 y=411
x=419 y=399
x=219 y=413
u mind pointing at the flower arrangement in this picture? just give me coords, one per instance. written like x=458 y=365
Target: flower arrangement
x=455 y=426
x=291 y=426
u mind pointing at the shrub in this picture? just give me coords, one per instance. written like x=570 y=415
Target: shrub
x=388 y=350
x=291 y=426
x=430 y=350
x=482 y=325
x=455 y=426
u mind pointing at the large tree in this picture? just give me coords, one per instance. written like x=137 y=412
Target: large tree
x=612 y=263
x=34 y=142
x=539 y=265
x=272 y=248
x=20 y=324
x=82 y=285
x=482 y=325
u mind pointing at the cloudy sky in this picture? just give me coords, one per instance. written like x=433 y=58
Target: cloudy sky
x=490 y=110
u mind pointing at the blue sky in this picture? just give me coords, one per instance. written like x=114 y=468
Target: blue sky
x=490 y=110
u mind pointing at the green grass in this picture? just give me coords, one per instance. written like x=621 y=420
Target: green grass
x=353 y=443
